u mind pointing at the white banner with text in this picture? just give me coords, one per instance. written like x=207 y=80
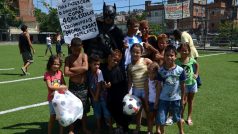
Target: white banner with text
x=77 y=19
x=177 y=10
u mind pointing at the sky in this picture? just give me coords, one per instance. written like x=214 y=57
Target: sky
x=122 y=5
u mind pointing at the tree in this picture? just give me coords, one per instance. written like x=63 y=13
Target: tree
x=48 y=22
x=141 y=17
x=8 y=14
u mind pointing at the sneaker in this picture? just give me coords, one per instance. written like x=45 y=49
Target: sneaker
x=169 y=121
x=23 y=70
x=27 y=73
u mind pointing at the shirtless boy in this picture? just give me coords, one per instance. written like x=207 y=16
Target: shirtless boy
x=75 y=68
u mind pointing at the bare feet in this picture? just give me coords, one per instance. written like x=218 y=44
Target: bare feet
x=190 y=122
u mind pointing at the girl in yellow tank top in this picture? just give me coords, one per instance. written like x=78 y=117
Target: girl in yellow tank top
x=138 y=77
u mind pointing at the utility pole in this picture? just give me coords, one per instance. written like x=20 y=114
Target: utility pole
x=206 y=25
x=129 y=7
x=182 y=15
x=176 y=21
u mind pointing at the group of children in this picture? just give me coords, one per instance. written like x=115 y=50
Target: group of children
x=164 y=82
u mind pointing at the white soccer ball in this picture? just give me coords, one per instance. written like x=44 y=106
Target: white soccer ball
x=131 y=104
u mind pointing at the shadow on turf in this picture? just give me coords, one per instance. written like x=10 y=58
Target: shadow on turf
x=11 y=74
x=41 y=127
x=233 y=61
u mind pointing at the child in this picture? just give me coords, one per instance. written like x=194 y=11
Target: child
x=98 y=94
x=162 y=44
x=54 y=81
x=76 y=66
x=137 y=76
x=116 y=84
x=187 y=64
x=171 y=81
x=130 y=39
x=48 y=43
x=152 y=83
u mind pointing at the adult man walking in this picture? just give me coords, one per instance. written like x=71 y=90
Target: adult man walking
x=25 y=47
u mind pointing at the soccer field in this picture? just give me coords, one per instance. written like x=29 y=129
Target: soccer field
x=215 y=109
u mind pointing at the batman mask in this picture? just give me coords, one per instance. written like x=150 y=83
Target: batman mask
x=109 y=11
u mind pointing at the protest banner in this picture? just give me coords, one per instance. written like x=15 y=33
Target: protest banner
x=77 y=19
x=177 y=10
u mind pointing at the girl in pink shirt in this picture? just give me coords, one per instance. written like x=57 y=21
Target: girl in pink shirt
x=54 y=81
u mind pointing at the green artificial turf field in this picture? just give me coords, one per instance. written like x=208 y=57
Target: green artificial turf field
x=215 y=109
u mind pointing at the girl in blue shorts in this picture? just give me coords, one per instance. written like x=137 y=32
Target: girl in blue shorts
x=187 y=64
x=138 y=79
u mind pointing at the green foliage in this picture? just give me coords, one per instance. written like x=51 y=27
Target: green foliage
x=155 y=29
x=141 y=17
x=228 y=30
x=48 y=22
x=8 y=15
x=225 y=29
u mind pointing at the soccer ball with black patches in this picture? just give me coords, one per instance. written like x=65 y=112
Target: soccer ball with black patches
x=131 y=104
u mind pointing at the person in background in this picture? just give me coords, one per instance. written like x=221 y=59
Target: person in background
x=58 y=44
x=49 y=46
x=26 y=49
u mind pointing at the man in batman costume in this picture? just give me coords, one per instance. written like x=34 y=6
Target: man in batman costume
x=110 y=37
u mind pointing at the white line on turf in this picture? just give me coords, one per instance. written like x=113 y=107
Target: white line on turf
x=23 y=107
x=45 y=103
x=3 y=69
x=211 y=55
x=11 y=81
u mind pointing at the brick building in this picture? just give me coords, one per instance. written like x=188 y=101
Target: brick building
x=25 y=13
x=203 y=17
x=156 y=15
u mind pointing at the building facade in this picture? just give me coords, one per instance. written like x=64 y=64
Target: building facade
x=203 y=18
x=25 y=13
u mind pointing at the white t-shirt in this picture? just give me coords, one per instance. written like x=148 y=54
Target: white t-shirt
x=100 y=76
x=48 y=40
x=130 y=41
x=152 y=90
